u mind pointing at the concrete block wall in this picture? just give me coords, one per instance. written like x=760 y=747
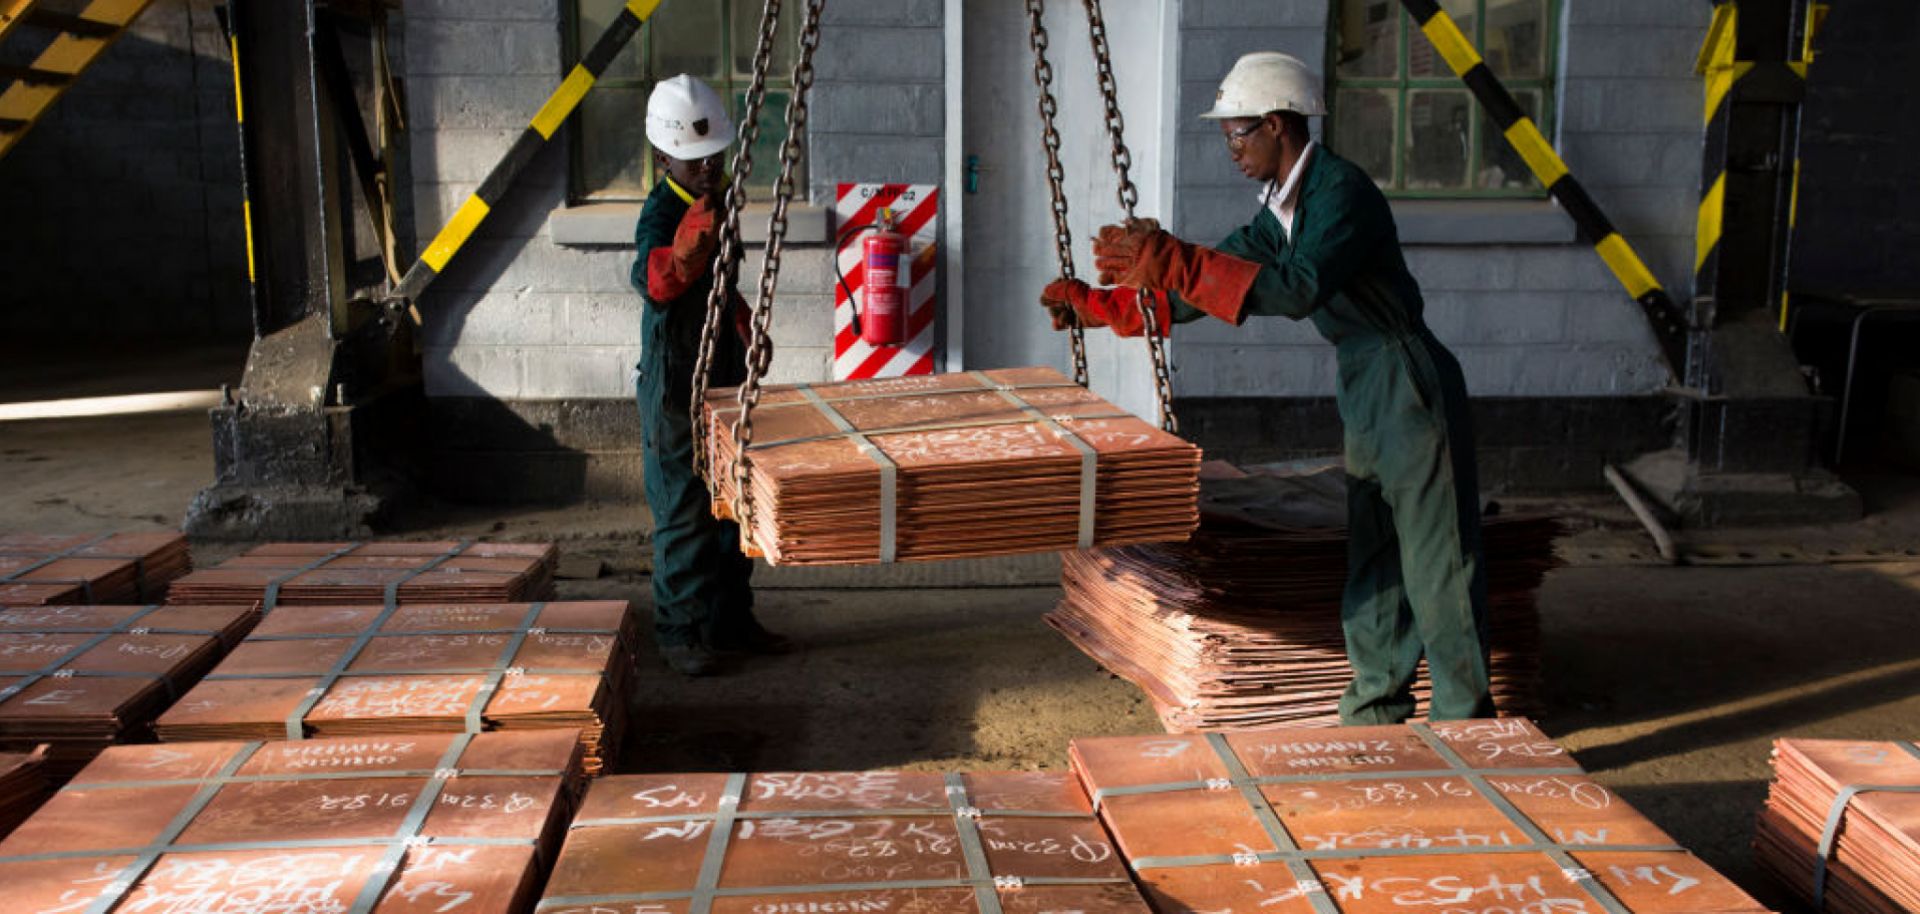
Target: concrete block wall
x=1526 y=319
x=122 y=205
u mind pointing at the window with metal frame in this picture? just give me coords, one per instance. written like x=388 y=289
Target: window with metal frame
x=711 y=39
x=1399 y=111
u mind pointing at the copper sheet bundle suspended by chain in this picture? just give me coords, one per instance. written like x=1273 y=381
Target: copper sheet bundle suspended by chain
x=345 y=574
x=1240 y=627
x=401 y=825
x=81 y=678
x=1841 y=827
x=361 y=670
x=40 y=570
x=976 y=843
x=949 y=466
x=23 y=786
x=1480 y=816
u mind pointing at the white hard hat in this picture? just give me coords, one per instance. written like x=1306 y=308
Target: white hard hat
x=1267 y=81
x=687 y=120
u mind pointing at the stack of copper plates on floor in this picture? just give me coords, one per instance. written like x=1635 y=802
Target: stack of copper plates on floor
x=359 y=670
x=1842 y=824
x=81 y=678
x=1240 y=627
x=840 y=842
x=949 y=466
x=399 y=825
x=1481 y=816
x=23 y=786
x=39 y=570
x=344 y=574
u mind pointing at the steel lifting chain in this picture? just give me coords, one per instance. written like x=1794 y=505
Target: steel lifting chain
x=726 y=263
x=760 y=348
x=1056 y=175
x=1129 y=197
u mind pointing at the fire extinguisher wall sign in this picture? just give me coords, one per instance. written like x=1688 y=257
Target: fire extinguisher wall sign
x=884 y=308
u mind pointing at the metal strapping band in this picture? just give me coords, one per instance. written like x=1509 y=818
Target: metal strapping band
x=1089 y=457
x=889 y=471
x=1303 y=874
x=68 y=552
x=1830 y=832
x=1100 y=795
x=296 y=719
x=902 y=812
x=428 y=633
x=130 y=874
x=75 y=653
x=716 y=854
x=726 y=413
x=923 y=427
x=271 y=596
x=389 y=864
x=971 y=849
x=316 y=776
x=477 y=707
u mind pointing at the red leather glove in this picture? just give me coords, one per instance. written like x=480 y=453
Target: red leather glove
x=1141 y=254
x=1118 y=309
x=671 y=271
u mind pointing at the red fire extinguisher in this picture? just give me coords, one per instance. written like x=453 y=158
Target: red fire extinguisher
x=882 y=322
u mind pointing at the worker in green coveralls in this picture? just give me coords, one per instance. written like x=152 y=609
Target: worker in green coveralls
x=1323 y=247
x=702 y=596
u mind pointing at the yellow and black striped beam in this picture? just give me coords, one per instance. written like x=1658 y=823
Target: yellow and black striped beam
x=1669 y=324
x=545 y=123
x=224 y=14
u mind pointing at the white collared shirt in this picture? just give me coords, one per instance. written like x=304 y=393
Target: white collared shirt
x=1284 y=200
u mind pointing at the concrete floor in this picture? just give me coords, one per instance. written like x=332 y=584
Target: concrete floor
x=1667 y=682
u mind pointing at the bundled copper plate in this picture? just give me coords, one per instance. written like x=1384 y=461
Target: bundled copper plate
x=345 y=574
x=81 y=678
x=1842 y=824
x=39 y=570
x=351 y=670
x=948 y=466
x=1240 y=627
x=982 y=842
x=1484 y=816
x=23 y=786
x=397 y=824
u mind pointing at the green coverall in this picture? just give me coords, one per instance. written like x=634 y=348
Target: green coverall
x=701 y=591
x=1416 y=576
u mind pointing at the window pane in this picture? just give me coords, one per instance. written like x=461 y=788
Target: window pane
x=613 y=150
x=746 y=35
x=1369 y=38
x=1423 y=59
x=1363 y=131
x=766 y=147
x=686 y=39
x=595 y=16
x=1516 y=38
x=1437 y=140
x=1501 y=168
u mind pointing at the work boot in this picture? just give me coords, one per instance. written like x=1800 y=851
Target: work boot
x=760 y=642
x=691 y=660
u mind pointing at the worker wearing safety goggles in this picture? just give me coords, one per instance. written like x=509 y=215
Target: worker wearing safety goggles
x=702 y=598
x=1323 y=248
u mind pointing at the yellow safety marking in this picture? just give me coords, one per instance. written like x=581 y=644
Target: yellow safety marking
x=1784 y=296
x=12 y=13
x=641 y=9
x=562 y=102
x=1717 y=50
x=69 y=54
x=1719 y=83
x=246 y=225
x=239 y=110
x=1816 y=17
x=1451 y=44
x=456 y=232
x=1713 y=209
x=1626 y=265
x=1793 y=199
x=1526 y=139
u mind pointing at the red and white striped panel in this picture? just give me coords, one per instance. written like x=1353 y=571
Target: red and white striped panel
x=916 y=209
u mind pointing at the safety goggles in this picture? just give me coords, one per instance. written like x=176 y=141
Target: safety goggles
x=1237 y=140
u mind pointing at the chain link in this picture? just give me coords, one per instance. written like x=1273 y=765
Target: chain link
x=1056 y=174
x=726 y=263
x=760 y=347
x=1129 y=196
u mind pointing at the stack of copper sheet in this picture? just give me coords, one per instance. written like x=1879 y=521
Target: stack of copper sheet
x=359 y=670
x=23 y=786
x=1240 y=627
x=1482 y=816
x=344 y=574
x=401 y=825
x=1842 y=824
x=862 y=841
x=949 y=466
x=81 y=678
x=38 y=570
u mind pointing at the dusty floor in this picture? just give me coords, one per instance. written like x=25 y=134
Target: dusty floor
x=1667 y=682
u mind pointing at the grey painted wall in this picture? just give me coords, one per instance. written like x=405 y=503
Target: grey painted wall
x=122 y=207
